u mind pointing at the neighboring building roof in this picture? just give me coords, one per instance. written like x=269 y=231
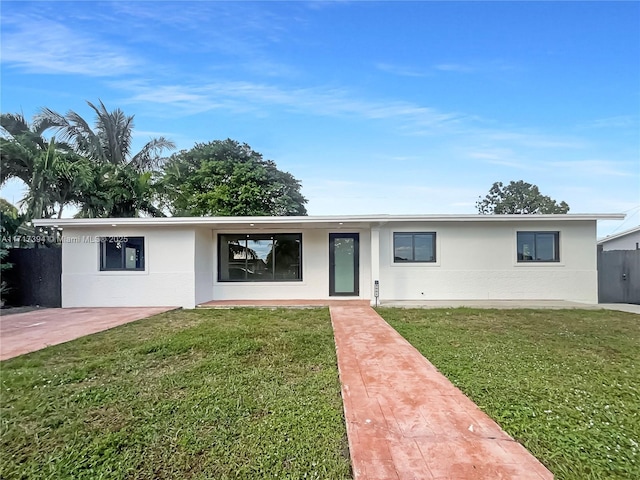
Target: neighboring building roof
x=608 y=238
x=315 y=221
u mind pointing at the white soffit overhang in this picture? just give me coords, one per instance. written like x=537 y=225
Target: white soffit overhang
x=333 y=221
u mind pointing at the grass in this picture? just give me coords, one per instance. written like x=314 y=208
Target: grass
x=240 y=393
x=564 y=383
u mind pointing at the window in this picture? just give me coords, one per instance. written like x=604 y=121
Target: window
x=260 y=257
x=121 y=253
x=414 y=247
x=538 y=246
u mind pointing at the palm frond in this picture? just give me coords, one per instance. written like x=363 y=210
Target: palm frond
x=82 y=135
x=115 y=131
x=41 y=125
x=72 y=128
x=16 y=161
x=150 y=156
x=14 y=123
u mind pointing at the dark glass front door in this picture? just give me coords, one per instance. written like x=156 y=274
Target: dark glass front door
x=344 y=264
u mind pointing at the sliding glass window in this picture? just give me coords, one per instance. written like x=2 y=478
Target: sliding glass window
x=254 y=257
x=538 y=246
x=414 y=247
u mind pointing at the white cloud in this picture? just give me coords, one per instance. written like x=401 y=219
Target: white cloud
x=400 y=70
x=596 y=168
x=240 y=96
x=38 y=45
x=476 y=66
x=534 y=140
x=620 y=121
x=505 y=157
x=455 y=67
x=330 y=196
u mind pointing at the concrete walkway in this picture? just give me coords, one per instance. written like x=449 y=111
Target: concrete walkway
x=405 y=420
x=30 y=331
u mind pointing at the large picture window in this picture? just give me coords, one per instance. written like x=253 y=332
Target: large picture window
x=260 y=257
x=121 y=253
x=414 y=247
x=538 y=246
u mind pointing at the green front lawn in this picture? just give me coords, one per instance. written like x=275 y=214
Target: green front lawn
x=565 y=383
x=241 y=393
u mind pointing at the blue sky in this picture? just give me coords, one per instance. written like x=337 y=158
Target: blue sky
x=376 y=107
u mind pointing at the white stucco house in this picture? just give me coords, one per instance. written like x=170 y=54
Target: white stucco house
x=626 y=240
x=188 y=261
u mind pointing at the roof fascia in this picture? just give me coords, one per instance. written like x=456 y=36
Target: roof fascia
x=310 y=220
x=619 y=235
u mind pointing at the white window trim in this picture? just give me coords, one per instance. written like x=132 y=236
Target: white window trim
x=123 y=273
x=514 y=244
x=419 y=265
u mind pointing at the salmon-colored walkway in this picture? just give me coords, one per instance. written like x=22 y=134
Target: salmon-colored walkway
x=405 y=420
x=30 y=331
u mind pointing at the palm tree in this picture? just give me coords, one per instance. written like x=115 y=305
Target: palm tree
x=21 y=144
x=110 y=142
x=52 y=172
x=119 y=191
x=122 y=184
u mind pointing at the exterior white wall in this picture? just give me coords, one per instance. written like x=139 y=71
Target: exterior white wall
x=626 y=242
x=167 y=280
x=478 y=260
x=203 y=265
x=475 y=260
x=315 y=269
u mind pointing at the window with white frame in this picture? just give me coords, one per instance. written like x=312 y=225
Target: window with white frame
x=538 y=246
x=268 y=257
x=414 y=247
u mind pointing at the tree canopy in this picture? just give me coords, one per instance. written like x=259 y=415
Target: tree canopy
x=225 y=178
x=94 y=169
x=110 y=139
x=52 y=171
x=518 y=197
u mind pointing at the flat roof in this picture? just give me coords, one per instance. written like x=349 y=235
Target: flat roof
x=619 y=235
x=316 y=220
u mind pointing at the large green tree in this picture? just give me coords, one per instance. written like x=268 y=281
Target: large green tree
x=52 y=171
x=518 y=197
x=228 y=178
x=119 y=191
x=122 y=182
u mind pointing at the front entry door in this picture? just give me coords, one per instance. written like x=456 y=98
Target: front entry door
x=344 y=264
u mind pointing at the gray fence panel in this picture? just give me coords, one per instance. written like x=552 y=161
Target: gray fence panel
x=619 y=276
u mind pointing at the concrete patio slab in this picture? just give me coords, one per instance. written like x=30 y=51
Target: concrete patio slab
x=281 y=303
x=622 y=307
x=509 y=304
x=500 y=304
x=22 y=333
x=405 y=420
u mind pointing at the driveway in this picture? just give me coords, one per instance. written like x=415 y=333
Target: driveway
x=30 y=331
